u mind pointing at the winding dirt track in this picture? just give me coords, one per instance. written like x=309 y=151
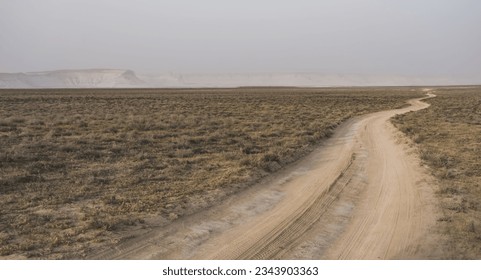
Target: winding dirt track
x=361 y=195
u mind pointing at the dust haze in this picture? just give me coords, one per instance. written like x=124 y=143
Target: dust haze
x=416 y=38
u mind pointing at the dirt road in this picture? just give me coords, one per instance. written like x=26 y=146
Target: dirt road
x=361 y=195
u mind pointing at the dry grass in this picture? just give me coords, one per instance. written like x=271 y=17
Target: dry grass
x=449 y=138
x=79 y=166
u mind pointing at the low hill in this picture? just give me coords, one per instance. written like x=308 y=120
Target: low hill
x=113 y=78
x=91 y=78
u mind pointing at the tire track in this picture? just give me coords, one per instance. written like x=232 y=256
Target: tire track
x=278 y=241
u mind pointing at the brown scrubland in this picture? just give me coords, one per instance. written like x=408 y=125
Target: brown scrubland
x=78 y=167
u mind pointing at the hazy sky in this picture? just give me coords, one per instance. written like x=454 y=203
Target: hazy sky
x=408 y=37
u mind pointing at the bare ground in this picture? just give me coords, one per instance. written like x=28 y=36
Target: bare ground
x=361 y=195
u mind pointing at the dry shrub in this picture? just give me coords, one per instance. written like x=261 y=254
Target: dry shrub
x=77 y=166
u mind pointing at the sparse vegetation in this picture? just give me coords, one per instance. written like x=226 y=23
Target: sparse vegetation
x=79 y=166
x=449 y=137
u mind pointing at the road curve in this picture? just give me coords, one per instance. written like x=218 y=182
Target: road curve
x=361 y=195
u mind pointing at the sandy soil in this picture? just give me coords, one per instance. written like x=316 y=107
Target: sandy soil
x=361 y=195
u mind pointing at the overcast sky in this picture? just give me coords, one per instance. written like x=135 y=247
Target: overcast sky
x=406 y=37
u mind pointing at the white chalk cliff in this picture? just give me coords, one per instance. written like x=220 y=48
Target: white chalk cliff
x=112 y=78
x=92 y=78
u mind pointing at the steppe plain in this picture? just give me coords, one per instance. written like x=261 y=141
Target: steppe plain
x=83 y=171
